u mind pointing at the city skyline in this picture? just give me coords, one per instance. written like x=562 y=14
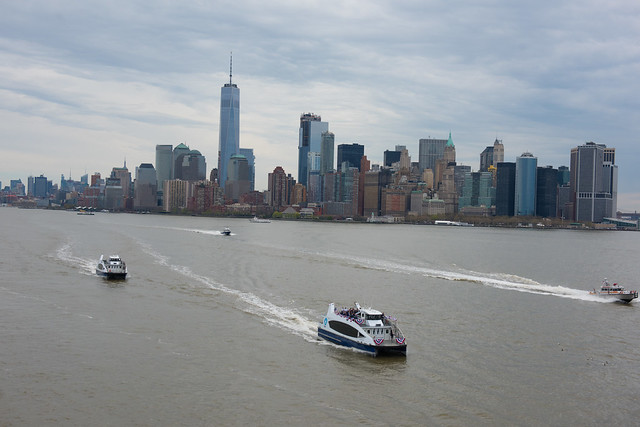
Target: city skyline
x=542 y=78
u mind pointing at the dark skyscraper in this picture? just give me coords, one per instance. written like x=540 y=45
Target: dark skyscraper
x=391 y=157
x=229 y=127
x=506 y=189
x=546 y=192
x=351 y=153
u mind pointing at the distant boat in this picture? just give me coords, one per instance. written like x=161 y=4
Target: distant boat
x=453 y=223
x=614 y=291
x=112 y=268
x=260 y=220
x=226 y=231
x=83 y=212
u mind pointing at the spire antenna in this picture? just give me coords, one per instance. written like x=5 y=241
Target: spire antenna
x=230 y=66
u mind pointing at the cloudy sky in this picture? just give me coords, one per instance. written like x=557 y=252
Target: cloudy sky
x=86 y=84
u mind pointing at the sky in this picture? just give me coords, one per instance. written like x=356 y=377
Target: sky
x=86 y=85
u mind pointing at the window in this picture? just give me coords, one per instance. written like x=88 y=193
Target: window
x=343 y=328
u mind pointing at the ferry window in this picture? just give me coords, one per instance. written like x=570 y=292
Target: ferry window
x=343 y=329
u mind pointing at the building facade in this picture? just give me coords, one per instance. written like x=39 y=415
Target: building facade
x=505 y=188
x=594 y=182
x=229 y=134
x=546 y=192
x=309 y=140
x=429 y=152
x=525 y=186
x=145 y=188
x=350 y=153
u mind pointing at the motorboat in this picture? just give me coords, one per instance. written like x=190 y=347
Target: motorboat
x=365 y=329
x=260 y=220
x=226 y=231
x=614 y=291
x=112 y=267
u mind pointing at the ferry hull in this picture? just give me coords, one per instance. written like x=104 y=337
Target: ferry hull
x=112 y=276
x=374 y=350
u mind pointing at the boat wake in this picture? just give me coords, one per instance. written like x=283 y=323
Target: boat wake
x=85 y=265
x=285 y=318
x=495 y=280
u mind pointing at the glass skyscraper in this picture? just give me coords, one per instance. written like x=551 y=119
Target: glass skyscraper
x=229 y=127
x=309 y=141
x=525 y=189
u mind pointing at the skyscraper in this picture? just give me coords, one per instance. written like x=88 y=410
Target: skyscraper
x=229 y=126
x=525 y=188
x=251 y=159
x=164 y=163
x=237 y=182
x=429 y=152
x=145 y=187
x=594 y=182
x=327 y=152
x=351 y=153
x=505 y=188
x=309 y=140
x=546 y=192
x=486 y=159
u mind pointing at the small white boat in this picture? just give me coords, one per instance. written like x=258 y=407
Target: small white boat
x=365 y=329
x=111 y=268
x=614 y=291
x=260 y=220
x=226 y=231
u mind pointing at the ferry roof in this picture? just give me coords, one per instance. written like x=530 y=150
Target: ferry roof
x=370 y=311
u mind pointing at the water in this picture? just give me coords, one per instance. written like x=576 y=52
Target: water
x=216 y=330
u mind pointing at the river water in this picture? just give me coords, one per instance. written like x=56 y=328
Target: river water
x=221 y=330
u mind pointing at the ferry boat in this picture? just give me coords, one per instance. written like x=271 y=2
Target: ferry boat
x=615 y=291
x=365 y=329
x=260 y=220
x=111 y=268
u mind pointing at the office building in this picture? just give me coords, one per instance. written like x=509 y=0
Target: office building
x=40 y=187
x=251 y=161
x=327 y=152
x=391 y=157
x=314 y=180
x=145 y=187
x=350 y=153
x=505 y=188
x=525 y=186
x=176 y=192
x=564 y=176
x=593 y=182
x=546 y=192
x=229 y=126
x=164 y=163
x=237 y=182
x=486 y=159
x=190 y=166
x=477 y=190
x=429 y=152
x=309 y=141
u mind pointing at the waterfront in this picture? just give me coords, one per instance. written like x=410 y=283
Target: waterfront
x=221 y=330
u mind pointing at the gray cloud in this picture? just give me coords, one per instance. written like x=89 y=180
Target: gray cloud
x=542 y=76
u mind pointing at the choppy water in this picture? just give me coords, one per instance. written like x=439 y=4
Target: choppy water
x=221 y=330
